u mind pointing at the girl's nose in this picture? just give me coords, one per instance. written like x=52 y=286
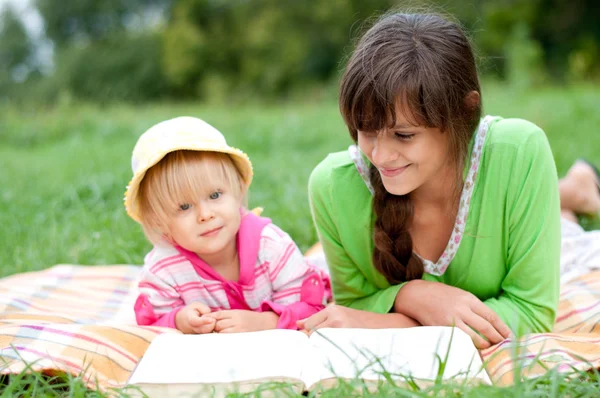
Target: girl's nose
x=383 y=150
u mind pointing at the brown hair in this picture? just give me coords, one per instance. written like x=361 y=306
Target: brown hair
x=425 y=64
x=182 y=177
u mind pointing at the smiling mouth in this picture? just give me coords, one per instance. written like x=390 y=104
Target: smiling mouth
x=211 y=232
x=393 y=172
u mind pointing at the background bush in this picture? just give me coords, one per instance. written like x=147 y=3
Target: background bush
x=236 y=50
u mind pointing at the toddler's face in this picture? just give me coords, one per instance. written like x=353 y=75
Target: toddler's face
x=208 y=226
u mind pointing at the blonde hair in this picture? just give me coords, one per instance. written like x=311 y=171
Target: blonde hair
x=182 y=177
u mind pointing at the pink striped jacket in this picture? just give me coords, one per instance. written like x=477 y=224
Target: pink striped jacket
x=274 y=276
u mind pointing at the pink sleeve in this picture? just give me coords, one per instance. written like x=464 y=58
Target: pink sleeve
x=311 y=302
x=145 y=315
x=299 y=290
x=158 y=301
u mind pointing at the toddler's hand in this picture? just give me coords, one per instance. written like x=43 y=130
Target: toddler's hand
x=191 y=320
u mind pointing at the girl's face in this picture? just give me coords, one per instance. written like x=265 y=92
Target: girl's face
x=408 y=158
x=207 y=226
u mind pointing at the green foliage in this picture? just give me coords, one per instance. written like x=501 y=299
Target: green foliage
x=124 y=68
x=241 y=48
x=114 y=68
x=183 y=53
x=29 y=384
x=15 y=46
x=15 y=52
x=71 y=21
x=563 y=34
x=236 y=50
x=524 y=57
x=103 y=51
x=583 y=61
x=564 y=28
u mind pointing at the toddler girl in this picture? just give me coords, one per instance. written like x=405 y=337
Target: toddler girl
x=215 y=267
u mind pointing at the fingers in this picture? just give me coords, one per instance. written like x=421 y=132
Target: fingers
x=483 y=327
x=219 y=315
x=223 y=314
x=483 y=323
x=202 y=324
x=492 y=319
x=226 y=325
x=308 y=332
x=201 y=308
x=324 y=324
x=479 y=341
x=312 y=321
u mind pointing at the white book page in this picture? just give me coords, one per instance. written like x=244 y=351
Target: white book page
x=221 y=358
x=409 y=351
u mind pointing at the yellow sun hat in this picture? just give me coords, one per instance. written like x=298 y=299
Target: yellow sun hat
x=187 y=133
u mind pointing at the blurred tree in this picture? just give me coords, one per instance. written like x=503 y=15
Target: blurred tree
x=15 y=45
x=69 y=21
x=224 y=49
x=567 y=30
x=491 y=23
x=106 y=50
x=265 y=46
x=116 y=68
x=524 y=59
x=16 y=51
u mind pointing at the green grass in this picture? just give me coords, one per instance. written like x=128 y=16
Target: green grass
x=63 y=172
x=553 y=384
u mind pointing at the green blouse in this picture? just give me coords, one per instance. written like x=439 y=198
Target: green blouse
x=509 y=255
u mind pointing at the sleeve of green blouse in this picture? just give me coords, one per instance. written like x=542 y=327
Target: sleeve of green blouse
x=350 y=287
x=530 y=290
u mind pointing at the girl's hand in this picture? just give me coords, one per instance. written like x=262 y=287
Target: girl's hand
x=337 y=316
x=332 y=316
x=236 y=321
x=437 y=304
x=191 y=319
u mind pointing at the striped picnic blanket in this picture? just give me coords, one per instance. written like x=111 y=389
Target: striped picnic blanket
x=574 y=342
x=79 y=320
x=73 y=319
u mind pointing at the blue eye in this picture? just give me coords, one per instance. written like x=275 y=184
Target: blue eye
x=215 y=195
x=185 y=206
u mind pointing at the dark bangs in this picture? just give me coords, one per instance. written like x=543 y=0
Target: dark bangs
x=406 y=65
x=369 y=99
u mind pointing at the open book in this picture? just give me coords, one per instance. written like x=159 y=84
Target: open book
x=177 y=364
